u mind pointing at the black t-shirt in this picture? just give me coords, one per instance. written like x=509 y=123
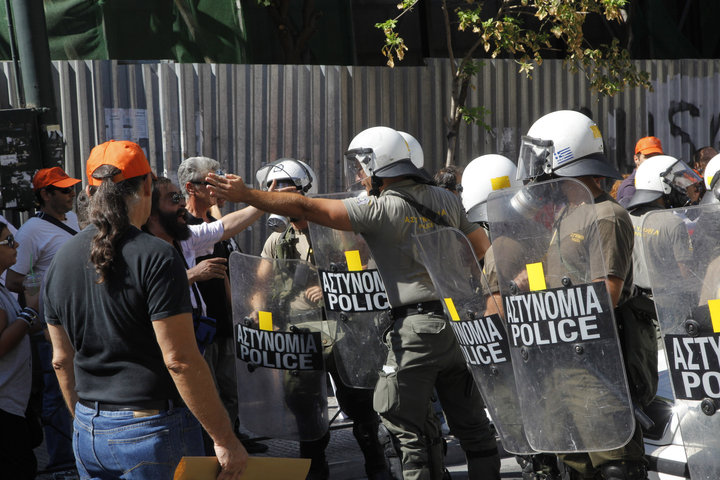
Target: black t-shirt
x=117 y=359
x=213 y=291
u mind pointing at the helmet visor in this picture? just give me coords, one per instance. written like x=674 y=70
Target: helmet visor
x=535 y=158
x=681 y=177
x=282 y=172
x=358 y=164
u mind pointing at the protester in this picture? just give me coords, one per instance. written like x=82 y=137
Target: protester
x=39 y=238
x=118 y=309
x=19 y=434
x=646 y=147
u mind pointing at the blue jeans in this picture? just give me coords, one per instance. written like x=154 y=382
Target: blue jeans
x=116 y=445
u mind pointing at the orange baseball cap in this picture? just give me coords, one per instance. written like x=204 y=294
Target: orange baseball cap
x=54 y=176
x=648 y=145
x=126 y=156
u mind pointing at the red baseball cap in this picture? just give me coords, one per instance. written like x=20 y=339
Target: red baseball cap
x=54 y=176
x=648 y=145
x=127 y=156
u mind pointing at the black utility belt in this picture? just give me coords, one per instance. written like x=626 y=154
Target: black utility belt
x=160 y=405
x=431 y=307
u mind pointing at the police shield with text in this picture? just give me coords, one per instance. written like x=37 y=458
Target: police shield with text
x=279 y=337
x=563 y=260
x=355 y=302
x=688 y=309
x=455 y=272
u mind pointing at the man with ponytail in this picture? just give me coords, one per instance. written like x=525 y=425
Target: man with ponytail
x=118 y=310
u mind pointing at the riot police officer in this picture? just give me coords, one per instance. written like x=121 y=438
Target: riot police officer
x=568 y=144
x=294 y=243
x=423 y=351
x=661 y=182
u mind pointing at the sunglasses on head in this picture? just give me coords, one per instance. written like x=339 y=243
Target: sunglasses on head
x=64 y=190
x=9 y=241
x=176 y=197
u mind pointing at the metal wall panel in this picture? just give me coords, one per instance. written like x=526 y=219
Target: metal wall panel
x=246 y=115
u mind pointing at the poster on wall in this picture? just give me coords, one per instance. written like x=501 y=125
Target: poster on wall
x=20 y=157
x=128 y=124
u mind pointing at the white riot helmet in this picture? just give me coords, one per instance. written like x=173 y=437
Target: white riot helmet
x=663 y=175
x=380 y=152
x=482 y=176
x=564 y=143
x=288 y=172
x=416 y=151
x=712 y=181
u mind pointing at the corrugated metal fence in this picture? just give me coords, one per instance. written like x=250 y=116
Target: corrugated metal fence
x=245 y=115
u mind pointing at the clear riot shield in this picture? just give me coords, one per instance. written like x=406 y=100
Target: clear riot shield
x=563 y=340
x=688 y=309
x=279 y=337
x=355 y=301
x=451 y=262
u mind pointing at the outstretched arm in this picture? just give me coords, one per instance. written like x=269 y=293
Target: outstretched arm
x=323 y=211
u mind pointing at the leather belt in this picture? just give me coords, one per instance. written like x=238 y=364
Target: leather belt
x=150 y=405
x=433 y=306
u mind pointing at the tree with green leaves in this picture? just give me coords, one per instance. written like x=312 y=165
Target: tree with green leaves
x=526 y=31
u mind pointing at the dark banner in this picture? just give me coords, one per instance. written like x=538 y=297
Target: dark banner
x=562 y=315
x=360 y=291
x=281 y=350
x=482 y=340
x=694 y=364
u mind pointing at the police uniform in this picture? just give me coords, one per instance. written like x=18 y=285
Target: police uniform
x=423 y=353
x=615 y=236
x=656 y=233
x=355 y=403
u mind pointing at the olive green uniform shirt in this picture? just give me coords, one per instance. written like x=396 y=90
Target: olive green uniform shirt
x=388 y=223
x=657 y=233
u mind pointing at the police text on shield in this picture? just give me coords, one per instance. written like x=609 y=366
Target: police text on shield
x=482 y=340
x=694 y=365
x=361 y=291
x=283 y=350
x=562 y=315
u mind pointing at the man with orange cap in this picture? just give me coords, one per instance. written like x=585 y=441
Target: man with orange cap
x=645 y=148
x=39 y=238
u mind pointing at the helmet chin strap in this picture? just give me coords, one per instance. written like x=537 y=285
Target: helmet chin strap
x=375 y=184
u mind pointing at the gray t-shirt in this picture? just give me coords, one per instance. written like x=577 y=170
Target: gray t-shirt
x=388 y=223
x=15 y=365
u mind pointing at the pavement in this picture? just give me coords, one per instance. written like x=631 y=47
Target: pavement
x=344 y=456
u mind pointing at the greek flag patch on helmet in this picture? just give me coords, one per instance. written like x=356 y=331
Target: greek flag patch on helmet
x=562 y=156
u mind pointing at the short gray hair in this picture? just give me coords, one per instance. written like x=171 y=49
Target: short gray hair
x=194 y=169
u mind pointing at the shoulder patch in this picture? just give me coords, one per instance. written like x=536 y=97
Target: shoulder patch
x=362 y=200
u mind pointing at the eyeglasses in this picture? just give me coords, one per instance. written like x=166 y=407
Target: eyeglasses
x=65 y=190
x=176 y=197
x=9 y=241
x=201 y=183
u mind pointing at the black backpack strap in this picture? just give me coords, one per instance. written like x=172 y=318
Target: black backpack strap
x=422 y=209
x=56 y=222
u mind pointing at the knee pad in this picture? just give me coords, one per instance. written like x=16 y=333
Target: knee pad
x=391 y=448
x=436 y=449
x=623 y=470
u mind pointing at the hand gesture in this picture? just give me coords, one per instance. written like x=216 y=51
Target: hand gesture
x=209 y=268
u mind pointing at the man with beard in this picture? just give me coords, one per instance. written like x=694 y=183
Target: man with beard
x=168 y=221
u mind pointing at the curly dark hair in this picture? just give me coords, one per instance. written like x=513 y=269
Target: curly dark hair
x=446 y=177
x=109 y=213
